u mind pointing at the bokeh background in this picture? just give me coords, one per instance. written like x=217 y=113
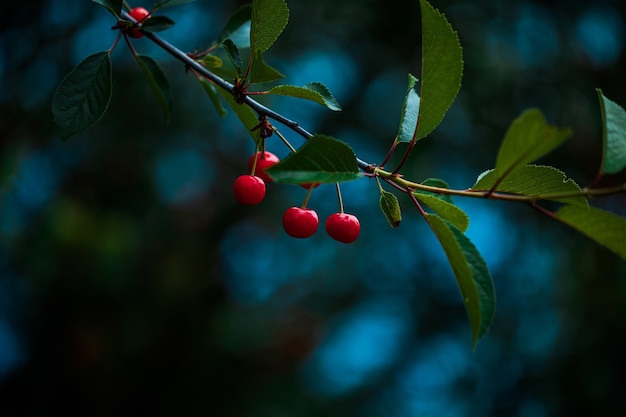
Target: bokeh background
x=131 y=283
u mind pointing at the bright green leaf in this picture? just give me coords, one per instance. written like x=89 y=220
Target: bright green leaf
x=83 y=95
x=471 y=273
x=316 y=92
x=614 y=135
x=321 y=159
x=237 y=22
x=442 y=69
x=113 y=6
x=528 y=138
x=157 y=24
x=533 y=180
x=445 y=210
x=169 y=3
x=212 y=61
x=410 y=111
x=158 y=82
x=211 y=90
x=390 y=207
x=608 y=229
x=269 y=18
x=260 y=72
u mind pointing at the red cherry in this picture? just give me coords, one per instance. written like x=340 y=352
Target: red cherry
x=308 y=185
x=300 y=222
x=139 y=14
x=263 y=161
x=343 y=227
x=249 y=189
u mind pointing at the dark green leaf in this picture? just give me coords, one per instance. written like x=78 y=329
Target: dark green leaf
x=436 y=182
x=314 y=91
x=391 y=208
x=211 y=90
x=442 y=69
x=246 y=115
x=614 y=135
x=445 y=210
x=83 y=96
x=472 y=275
x=238 y=21
x=410 y=111
x=608 y=229
x=158 y=82
x=269 y=18
x=160 y=4
x=113 y=6
x=320 y=159
x=260 y=72
x=233 y=55
x=157 y=24
x=533 y=180
x=527 y=139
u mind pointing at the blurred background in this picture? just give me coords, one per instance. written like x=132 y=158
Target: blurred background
x=132 y=283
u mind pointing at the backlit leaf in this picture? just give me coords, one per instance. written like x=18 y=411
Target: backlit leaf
x=533 y=180
x=269 y=18
x=410 y=111
x=83 y=95
x=390 y=207
x=528 y=138
x=321 y=159
x=442 y=69
x=445 y=210
x=316 y=92
x=260 y=72
x=608 y=229
x=614 y=135
x=471 y=273
x=158 y=82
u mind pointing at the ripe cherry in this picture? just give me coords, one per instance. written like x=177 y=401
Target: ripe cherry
x=343 y=227
x=300 y=222
x=249 y=189
x=139 y=14
x=264 y=160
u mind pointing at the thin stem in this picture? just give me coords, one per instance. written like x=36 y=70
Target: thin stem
x=338 y=188
x=306 y=198
x=284 y=139
x=407 y=152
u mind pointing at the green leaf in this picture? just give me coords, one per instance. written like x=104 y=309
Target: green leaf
x=83 y=95
x=169 y=3
x=260 y=72
x=321 y=159
x=113 y=6
x=269 y=18
x=245 y=114
x=472 y=275
x=608 y=229
x=157 y=24
x=445 y=210
x=442 y=69
x=237 y=22
x=211 y=90
x=436 y=182
x=212 y=61
x=390 y=207
x=158 y=82
x=316 y=92
x=614 y=135
x=534 y=180
x=528 y=138
x=233 y=54
x=410 y=111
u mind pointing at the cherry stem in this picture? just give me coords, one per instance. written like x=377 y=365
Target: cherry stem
x=284 y=139
x=306 y=198
x=338 y=188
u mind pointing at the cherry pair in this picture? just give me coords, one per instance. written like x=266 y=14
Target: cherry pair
x=302 y=223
